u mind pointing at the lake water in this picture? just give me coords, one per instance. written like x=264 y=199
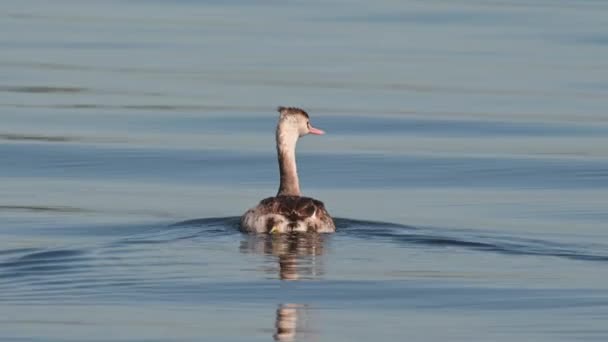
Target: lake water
x=466 y=161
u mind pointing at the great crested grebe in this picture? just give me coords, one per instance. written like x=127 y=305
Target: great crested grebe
x=288 y=211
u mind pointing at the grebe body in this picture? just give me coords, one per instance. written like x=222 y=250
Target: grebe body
x=289 y=211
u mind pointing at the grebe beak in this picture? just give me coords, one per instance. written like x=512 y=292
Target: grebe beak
x=315 y=131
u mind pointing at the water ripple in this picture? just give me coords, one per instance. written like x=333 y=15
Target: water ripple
x=45 y=262
x=41 y=89
x=474 y=240
x=433 y=237
x=162 y=262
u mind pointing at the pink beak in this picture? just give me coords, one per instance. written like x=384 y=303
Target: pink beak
x=315 y=131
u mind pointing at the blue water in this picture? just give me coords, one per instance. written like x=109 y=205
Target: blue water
x=466 y=162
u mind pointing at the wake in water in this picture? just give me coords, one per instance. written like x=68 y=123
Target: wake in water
x=150 y=256
x=209 y=262
x=432 y=237
x=20 y=262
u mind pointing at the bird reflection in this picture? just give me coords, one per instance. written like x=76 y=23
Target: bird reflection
x=297 y=254
x=297 y=257
x=287 y=322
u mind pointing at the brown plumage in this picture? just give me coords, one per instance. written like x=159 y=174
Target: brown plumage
x=284 y=214
x=292 y=110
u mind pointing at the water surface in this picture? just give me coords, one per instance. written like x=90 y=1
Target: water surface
x=466 y=161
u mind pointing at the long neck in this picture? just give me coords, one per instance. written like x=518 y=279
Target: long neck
x=286 y=150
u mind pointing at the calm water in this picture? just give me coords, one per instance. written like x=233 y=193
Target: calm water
x=466 y=159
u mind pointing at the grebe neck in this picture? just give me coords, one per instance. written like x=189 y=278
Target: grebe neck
x=286 y=151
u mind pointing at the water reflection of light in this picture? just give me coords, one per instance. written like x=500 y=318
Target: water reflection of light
x=297 y=257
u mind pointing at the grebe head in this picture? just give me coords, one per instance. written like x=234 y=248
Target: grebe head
x=296 y=121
